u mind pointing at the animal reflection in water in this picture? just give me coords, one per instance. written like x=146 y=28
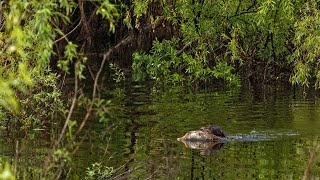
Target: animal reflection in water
x=207 y=139
x=211 y=138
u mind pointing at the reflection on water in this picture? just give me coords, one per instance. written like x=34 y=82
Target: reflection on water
x=275 y=124
x=206 y=148
x=273 y=129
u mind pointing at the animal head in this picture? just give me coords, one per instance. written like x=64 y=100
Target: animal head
x=214 y=130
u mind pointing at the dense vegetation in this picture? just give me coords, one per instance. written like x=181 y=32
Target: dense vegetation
x=43 y=43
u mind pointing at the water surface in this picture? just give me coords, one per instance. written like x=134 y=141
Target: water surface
x=140 y=136
x=156 y=118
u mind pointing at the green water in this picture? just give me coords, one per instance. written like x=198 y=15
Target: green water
x=146 y=122
x=156 y=119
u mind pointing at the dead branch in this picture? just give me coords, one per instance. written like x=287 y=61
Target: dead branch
x=312 y=157
x=106 y=56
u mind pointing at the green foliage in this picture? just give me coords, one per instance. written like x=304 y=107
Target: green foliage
x=242 y=36
x=166 y=63
x=109 y=11
x=29 y=92
x=70 y=53
x=102 y=108
x=224 y=71
x=140 y=7
x=19 y=80
x=117 y=73
x=6 y=173
x=28 y=85
x=39 y=105
x=34 y=35
x=27 y=43
x=190 y=57
x=307 y=52
x=98 y=171
x=62 y=158
x=71 y=126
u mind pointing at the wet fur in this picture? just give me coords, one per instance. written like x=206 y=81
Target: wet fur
x=209 y=133
x=215 y=130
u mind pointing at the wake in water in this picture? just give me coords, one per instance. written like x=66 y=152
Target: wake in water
x=211 y=138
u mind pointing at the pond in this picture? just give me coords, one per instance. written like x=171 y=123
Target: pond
x=139 y=140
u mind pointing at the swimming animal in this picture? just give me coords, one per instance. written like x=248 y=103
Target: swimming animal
x=205 y=134
x=208 y=139
x=211 y=138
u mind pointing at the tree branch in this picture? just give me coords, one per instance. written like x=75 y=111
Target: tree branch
x=106 y=56
x=240 y=2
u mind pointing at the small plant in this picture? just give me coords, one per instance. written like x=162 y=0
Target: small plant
x=62 y=157
x=118 y=74
x=37 y=106
x=98 y=171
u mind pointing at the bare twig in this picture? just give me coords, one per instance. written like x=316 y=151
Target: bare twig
x=238 y=8
x=74 y=101
x=122 y=166
x=84 y=21
x=16 y=159
x=154 y=172
x=1 y=2
x=181 y=50
x=64 y=36
x=47 y=163
x=312 y=157
x=106 y=56
x=122 y=175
